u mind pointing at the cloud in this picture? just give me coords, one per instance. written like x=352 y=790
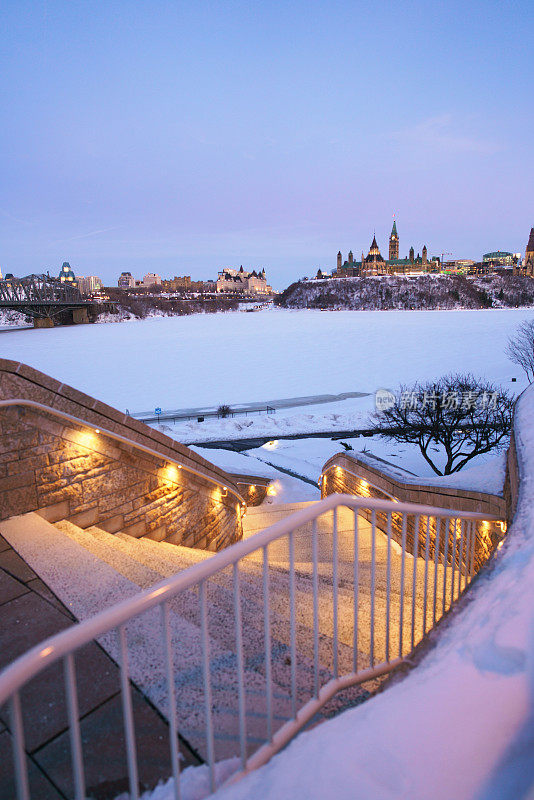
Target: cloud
x=15 y=219
x=445 y=134
x=87 y=235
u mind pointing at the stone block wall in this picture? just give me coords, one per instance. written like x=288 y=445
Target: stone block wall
x=253 y=489
x=345 y=474
x=68 y=470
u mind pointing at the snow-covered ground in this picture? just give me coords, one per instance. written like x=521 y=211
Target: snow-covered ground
x=306 y=457
x=461 y=725
x=196 y=360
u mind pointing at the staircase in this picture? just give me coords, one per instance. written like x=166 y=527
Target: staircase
x=90 y=569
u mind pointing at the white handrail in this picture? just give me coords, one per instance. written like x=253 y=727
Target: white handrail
x=53 y=648
x=63 y=644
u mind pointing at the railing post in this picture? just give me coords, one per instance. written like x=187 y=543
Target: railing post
x=473 y=549
x=74 y=727
x=403 y=567
x=19 y=753
x=454 y=548
x=335 y=592
x=127 y=711
x=169 y=672
x=425 y=589
x=293 y=634
x=461 y=556
x=446 y=563
x=414 y=576
x=356 y=579
x=436 y=565
x=240 y=670
x=267 y=634
x=315 y=583
x=388 y=584
x=373 y=566
x=208 y=702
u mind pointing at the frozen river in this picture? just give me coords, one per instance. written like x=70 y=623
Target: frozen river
x=175 y=362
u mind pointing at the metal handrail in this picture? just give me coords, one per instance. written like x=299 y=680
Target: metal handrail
x=64 y=644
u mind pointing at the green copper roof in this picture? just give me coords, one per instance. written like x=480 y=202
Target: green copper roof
x=394 y=228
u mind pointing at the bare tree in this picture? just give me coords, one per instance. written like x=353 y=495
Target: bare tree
x=520 y=348
x=464 y=416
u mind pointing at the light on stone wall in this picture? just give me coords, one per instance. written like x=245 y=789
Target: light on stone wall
x=86 y=438
x=172 y=473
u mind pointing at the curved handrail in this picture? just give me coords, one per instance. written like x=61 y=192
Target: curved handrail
x=18 y=401
x=53 y=648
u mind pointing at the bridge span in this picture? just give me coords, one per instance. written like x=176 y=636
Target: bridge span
x=49 y=301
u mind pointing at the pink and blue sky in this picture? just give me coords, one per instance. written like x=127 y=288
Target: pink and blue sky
x=181 y=137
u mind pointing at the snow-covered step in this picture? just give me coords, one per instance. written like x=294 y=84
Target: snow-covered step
x=107 y=551
x=167 y=559
x=87 y=585
x=221 y=609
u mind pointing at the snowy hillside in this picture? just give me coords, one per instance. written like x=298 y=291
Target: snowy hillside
x=424 y=292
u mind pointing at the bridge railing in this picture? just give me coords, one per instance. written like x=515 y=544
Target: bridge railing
x=355 y=600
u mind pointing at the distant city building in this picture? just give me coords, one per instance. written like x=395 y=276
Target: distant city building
x=151 y=279
x=527 y=267
x=375 y=264
x=126 y=280
x=243 y=282
x=529 y=253
x=183 y=283
x=173 y=284
x=500 y=258
x=89 y=285
x=66 y=275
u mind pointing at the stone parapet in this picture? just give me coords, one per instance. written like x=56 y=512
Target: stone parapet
x=346 y=474
x=106 y=468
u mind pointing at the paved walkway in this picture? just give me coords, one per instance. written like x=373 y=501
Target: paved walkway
x=30 y=613
x=247 y=408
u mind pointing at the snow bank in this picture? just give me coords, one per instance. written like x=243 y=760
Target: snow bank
x=194 y=782
x=458 y=726
x=486 y=477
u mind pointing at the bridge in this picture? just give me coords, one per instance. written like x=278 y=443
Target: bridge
x=48 y=300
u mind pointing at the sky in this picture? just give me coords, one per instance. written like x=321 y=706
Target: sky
x=183 y=137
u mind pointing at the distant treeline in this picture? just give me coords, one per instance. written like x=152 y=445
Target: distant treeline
x=141 y=306
x=405 y=293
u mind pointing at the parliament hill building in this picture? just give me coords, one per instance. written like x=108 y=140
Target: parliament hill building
x=375 y=264
x=527 y=268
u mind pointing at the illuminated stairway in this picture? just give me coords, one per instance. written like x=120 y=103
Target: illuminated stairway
x=91 y=569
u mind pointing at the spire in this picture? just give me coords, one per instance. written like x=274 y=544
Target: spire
x=394 y=229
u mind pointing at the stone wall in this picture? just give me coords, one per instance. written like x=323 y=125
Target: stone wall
x=345 y=474
x=253 y=489
x=511 y=483
x=80 y=471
